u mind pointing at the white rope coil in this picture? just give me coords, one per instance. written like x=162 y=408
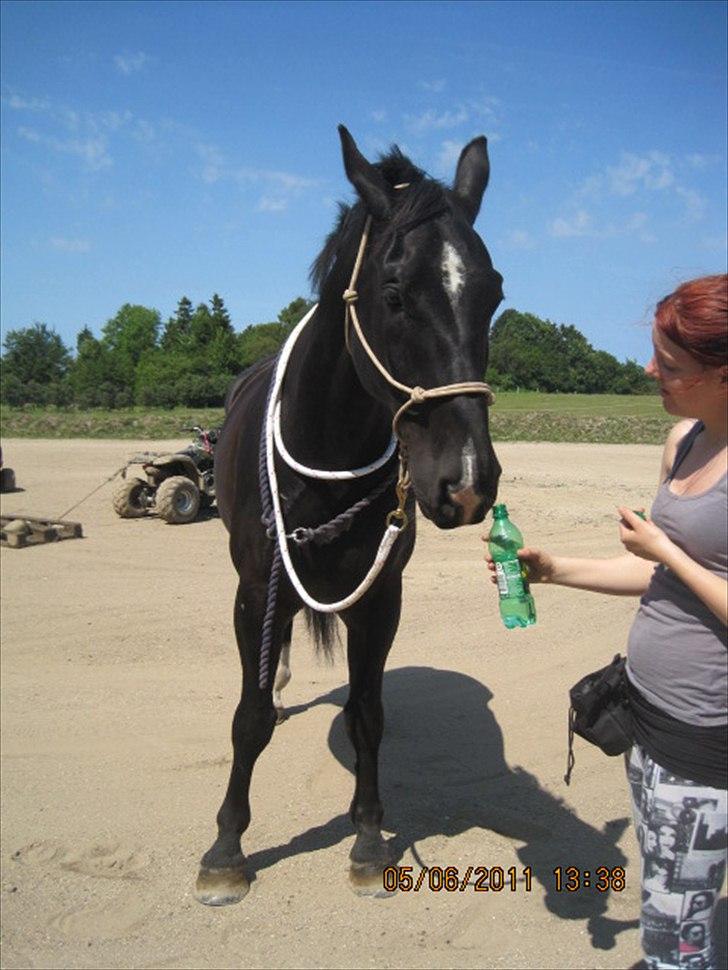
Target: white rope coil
x=390 y=533
x=325 y=474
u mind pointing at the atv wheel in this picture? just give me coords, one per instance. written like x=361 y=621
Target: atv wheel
x=130 y=499
x=178 y=500
x=7 y=480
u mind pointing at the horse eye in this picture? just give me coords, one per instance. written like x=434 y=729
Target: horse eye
x=392 y=296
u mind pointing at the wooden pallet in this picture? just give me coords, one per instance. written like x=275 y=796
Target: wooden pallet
x=34 y=531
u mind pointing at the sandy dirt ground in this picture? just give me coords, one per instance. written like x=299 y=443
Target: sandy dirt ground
x=119 y=680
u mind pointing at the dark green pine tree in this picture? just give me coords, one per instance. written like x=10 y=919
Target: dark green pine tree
x=220 y=315
x=178 y=328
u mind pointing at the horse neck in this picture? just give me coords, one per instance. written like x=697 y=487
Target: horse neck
x=329 y=419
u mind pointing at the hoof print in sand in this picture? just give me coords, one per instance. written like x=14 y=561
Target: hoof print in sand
x=104 y=860
x=103 y=922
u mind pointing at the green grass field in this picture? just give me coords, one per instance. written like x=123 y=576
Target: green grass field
x=591 y=405
x=516 y=416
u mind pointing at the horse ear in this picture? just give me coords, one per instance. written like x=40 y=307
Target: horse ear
x=471 y=176
x=366 y=179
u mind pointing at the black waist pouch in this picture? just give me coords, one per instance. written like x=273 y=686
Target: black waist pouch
x=599 y=712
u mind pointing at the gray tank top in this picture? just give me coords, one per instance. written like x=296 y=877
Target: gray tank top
x=676 y=654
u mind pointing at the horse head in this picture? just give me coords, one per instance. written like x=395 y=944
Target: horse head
x=426 y=293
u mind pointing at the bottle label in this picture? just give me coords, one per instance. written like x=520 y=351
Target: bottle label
x=509 y=578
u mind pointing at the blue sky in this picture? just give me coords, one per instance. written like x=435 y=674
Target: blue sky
x=151 y=150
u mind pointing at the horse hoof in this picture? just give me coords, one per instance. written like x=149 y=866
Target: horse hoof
x=281 y=715
x=368 y=881
x=221 y=887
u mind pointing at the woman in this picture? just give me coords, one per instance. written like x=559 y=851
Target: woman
x=676 y=561
x=666 y=841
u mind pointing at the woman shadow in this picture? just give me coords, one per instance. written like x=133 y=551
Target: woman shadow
x=443 y=772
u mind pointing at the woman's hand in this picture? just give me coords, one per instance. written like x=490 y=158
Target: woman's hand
x=643 y=538
x=539 y=565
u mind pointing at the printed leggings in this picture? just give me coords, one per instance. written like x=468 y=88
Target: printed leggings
x=681 y=828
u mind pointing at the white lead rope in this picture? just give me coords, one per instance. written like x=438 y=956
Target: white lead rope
x=271 y=420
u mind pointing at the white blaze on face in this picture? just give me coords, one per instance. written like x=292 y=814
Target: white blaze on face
x=468 y=466
x=453 y=272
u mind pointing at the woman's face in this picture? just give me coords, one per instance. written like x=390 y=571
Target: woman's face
x=677 y=373
x=667 y=837
x=694 y=934
x=700 y=901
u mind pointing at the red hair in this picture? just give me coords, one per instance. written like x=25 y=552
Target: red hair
x=695 y=317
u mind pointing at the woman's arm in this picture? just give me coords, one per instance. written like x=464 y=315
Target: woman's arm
x=625 y=575
x=650 y=543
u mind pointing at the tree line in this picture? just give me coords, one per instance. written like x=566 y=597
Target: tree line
x=191 y=358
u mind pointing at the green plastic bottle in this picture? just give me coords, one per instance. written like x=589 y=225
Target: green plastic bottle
x=515 y=600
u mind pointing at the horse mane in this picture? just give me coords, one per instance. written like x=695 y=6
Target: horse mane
x=424 y=198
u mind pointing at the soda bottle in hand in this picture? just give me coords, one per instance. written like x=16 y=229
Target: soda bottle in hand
x=515 y=600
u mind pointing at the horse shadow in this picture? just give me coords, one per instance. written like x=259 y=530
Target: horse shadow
x=443 y=772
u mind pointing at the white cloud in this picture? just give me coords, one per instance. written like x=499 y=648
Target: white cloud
x=212 y=162
x=637 y=225
x=695 y=203
x=435 y=86
x=287 y=180
x=485 y=106
x=144 y=130
x=431 y=120
x=131 y=63
x=652 y=171
x=520 y=239
x=379 y=116
x=645 y=176
x=579 y=224
x=282 y=185
x=93 y=151
x=590 y=188
x=268 y=204
x=64 y=245
x=29 y=134
x=85 y=134
x=700 y=160
x=17 y=103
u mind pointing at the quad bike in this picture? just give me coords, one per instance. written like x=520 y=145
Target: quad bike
x=175 y=484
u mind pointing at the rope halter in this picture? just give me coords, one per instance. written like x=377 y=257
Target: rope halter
x=416 y=395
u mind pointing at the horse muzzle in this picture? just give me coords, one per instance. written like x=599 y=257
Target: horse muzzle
x=452 y=463
x=451 y=504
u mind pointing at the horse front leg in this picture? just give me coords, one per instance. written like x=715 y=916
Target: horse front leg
x=222 y=878
x=371 y=629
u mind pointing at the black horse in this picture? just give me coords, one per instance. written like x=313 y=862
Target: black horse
x=426 y=293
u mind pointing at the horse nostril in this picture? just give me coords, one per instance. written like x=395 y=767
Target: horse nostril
x=468 y=500
x=448 y=513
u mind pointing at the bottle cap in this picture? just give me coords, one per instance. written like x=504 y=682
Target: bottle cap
x=500 y=512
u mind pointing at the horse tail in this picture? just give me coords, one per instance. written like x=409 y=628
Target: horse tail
x=325 y=631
